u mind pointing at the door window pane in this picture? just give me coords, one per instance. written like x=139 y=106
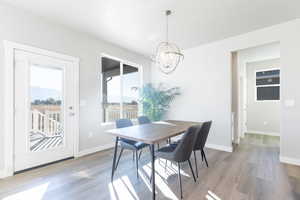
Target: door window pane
x=130 y=83
x=46 y=113
x=111 y=89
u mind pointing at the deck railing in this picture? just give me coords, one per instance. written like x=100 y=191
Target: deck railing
x=112 y=113
x=47 y=123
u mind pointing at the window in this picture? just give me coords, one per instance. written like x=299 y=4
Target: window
x=268 y=85
x=120 y=90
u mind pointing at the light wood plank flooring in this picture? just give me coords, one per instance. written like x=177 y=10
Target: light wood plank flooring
x=253 y=172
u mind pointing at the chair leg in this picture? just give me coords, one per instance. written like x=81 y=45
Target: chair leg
x=119 y=158
x=137 y=164
x=133 y=155
x=196 y=164
x=114 y=159
x=166 y=165
x=179 y=177
x=204 y=157
x=140 y=154
x=192 y=170
x=158 y=148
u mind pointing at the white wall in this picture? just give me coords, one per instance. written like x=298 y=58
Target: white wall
x=258 y=53
x=205 y=80
x=205 y=85
x=22 y=27
x=262 y=116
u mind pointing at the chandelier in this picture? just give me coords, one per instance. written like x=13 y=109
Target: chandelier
x=168 y=55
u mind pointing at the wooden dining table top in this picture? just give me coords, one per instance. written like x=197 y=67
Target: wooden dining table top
x=153 y=132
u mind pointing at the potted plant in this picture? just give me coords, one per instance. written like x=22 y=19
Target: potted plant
x=156 y=100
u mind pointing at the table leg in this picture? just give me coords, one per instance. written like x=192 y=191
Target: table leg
x=114 y=159
x=153 y=170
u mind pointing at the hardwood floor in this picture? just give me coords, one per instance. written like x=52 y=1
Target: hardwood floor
x=252 y=172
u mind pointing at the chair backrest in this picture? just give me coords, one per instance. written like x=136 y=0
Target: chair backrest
x=202 y=135
x=144 y=120
x=123 y=123
x=185 y=147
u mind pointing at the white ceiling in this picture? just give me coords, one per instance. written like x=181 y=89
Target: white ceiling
x=139 y=25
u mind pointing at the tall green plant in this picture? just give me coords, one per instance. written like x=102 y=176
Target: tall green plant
x=156 y=100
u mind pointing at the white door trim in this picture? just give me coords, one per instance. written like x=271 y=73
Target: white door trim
x=9 y=48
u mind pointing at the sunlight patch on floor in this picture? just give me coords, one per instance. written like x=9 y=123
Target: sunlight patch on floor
x=164 y=170
x=129 y=186
x=160 y=180
x=82 y=174
x=122 y=188
x=146 y=180
x=35 y=193
x=212 y=196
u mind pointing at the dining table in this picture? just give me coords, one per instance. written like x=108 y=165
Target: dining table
x=152 y=133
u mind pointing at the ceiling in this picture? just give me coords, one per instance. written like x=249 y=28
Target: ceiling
x=139 y=25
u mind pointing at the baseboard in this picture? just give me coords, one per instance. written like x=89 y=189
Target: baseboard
x=262 y=133
x=219 y=147
x=95 y=149
x=2 y=174
x=291 y=161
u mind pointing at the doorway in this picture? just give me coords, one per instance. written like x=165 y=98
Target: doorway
x=256 y=91
x=45 y=107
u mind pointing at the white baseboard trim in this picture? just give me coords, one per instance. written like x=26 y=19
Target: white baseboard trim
x=219 y=147
x=262 y=133
x=291 y=161
x=95 y=149
x=2 y=174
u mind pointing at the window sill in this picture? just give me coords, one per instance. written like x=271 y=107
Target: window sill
x=267 y=101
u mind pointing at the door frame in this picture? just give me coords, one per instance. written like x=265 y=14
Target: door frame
x=9 y=110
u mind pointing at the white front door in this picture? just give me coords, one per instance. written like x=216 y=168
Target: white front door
x=45 y=97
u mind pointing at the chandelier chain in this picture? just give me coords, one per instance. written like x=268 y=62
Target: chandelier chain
x=167 y=31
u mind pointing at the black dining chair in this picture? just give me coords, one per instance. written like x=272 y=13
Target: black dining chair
x=181 y=152
x=129 y=144
x=200 y=142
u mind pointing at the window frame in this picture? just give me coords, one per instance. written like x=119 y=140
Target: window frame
x=122 y=63
x=259 y=86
